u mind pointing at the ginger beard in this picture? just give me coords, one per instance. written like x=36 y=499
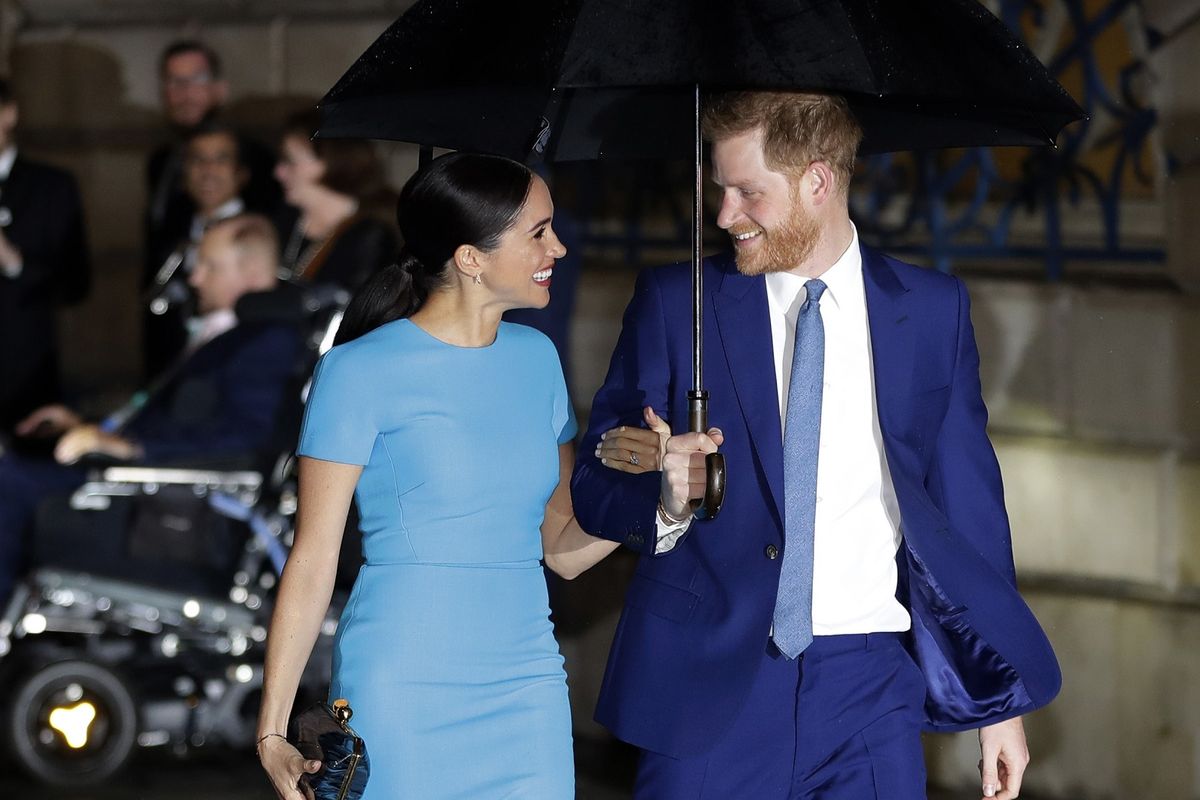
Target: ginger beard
x=781 y=248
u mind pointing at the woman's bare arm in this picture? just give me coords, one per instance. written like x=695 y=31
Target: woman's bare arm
x=326 y=489
x=569 y=550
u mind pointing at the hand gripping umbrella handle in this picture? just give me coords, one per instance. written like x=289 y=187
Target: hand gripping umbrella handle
x=714 y=490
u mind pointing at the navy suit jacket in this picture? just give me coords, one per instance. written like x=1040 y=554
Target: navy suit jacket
x=47 y=227
x=697 y=618
x=222 y=400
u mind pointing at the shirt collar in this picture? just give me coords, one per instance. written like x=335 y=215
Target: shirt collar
x=843 y=281
x=228 y=209
x=6 y=161
x=202 y=330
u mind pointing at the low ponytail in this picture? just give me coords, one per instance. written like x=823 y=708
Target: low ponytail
x=392 y=293
x=456 y=199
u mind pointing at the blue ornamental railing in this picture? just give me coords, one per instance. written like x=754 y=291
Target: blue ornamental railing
x=917 y=203
x=1023 y=205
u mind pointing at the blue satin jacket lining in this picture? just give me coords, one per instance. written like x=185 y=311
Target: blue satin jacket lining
x=967 y=681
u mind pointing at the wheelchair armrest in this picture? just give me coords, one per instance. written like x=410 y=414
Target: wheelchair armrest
x=222 y=480
x=95 y=495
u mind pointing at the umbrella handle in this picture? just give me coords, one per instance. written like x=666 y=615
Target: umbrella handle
x=714 y=490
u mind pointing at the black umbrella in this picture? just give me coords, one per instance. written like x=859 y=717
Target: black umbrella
x=581 y=79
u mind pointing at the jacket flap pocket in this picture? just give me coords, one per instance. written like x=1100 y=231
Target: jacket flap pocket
x=661 y=599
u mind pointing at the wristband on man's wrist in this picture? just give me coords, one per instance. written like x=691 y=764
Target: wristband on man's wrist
x=666 y=516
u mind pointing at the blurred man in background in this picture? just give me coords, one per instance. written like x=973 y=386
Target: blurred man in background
x=193 y=92
x=43 y=266
x=217 y=402
x=214 y=176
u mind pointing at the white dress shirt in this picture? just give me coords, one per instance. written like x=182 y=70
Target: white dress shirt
x=203 y=329
x=230 y=208
x=7 y=158
x=857 y=530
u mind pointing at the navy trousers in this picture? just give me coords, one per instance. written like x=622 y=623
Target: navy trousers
x=842 y=722
x=24 y=483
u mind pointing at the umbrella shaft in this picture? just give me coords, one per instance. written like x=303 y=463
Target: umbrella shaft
x=697 y=269
x=698 y=411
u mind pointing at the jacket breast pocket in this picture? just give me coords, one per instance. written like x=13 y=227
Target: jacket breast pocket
x=661 y=599
x=916 y=420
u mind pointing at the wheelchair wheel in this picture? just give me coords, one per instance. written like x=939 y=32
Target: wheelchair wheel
x=72 y=723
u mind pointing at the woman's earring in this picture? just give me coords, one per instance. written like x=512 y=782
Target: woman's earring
x=478 y=280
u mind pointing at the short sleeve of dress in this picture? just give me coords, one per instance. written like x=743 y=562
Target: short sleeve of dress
x=564 y=413
x=338 y=423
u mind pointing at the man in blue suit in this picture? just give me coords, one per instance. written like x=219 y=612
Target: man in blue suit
x=858 y=585
x=216 y=403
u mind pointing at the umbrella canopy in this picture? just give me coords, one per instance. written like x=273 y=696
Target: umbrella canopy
x=581 y=79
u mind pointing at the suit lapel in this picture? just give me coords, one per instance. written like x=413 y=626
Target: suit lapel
x=892 y=338
x=14 y=186
x=744 y=327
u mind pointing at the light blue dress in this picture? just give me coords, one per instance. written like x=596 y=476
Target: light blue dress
x=445 y=649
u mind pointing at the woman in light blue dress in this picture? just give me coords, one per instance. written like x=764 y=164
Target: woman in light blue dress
x=453 y=430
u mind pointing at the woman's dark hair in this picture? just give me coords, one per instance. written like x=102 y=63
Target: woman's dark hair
x=352 y=166
x=456 y=199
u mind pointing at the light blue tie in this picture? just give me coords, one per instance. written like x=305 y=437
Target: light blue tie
x=801 y=437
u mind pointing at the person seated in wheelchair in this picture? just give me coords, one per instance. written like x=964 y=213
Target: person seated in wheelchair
x=215 y=404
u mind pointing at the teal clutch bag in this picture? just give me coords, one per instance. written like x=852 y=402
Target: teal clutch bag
x=323 y=732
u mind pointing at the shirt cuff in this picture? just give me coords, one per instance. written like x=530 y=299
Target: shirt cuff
x=669 y=533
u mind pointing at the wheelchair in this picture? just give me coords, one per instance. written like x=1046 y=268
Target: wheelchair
x=143 y=620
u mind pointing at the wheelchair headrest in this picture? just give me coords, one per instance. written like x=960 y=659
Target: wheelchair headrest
x=282 y=304
x=290 y=303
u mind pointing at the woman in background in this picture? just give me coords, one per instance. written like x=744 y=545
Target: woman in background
x=340 y=231
x=455 y=431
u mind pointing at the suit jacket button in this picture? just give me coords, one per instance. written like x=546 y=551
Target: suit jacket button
x=772 y=552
